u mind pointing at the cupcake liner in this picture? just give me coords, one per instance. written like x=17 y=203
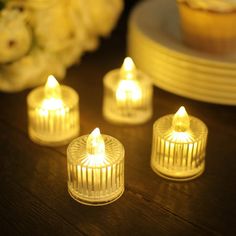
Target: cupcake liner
x=208 y=31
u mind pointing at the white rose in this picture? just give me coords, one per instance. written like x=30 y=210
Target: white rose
x=15 y=36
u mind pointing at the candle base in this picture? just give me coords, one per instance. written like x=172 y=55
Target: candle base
x=176 y=155
x=91 y=180
x=52 y=142
x=126 y=118
x=53 y=126
x=178 y=176
x=92 y=201
x=128 y=111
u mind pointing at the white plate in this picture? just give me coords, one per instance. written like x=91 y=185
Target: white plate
x=145 y=49
x=155 y=62
x=158 y=22
x=155 y=45
x=183 y=89
x=190 y=82
x=190 y=85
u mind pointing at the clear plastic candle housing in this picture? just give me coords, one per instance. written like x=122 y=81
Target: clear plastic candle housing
x=127 y=95
x=179 y=144
x=53 y=114
x=95 y=165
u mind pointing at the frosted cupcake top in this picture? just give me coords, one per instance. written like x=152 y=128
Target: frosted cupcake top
x=215 y=5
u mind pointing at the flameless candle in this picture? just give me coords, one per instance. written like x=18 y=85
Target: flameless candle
x=53 y=114
x=127 y=95
x=178 y=148
x=95 y=169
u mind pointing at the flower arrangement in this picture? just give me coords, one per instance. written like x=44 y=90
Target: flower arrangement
x=42 y=37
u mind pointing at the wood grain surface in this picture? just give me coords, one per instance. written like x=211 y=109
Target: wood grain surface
x=33 y=179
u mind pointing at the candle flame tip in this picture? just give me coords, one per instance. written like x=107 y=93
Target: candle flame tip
x=128 y=60
x=128 y=64
x=95 y=143
x=51 y=76
x=182 y=111
x=96 y=132
x=181 y=120
x=52 y=88
x=52 y=82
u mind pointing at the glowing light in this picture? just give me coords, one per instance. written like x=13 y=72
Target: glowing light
x=52 y=101
x=95 y=148
x=179 y=148
x=128 y=95
x=53 y=113
x=180 y=137
x=95 y=168
x=181 y=121
x=128 y=90
x=128 y=69
x=52 y=88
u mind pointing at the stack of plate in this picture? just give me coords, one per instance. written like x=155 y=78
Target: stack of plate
x=154 y=42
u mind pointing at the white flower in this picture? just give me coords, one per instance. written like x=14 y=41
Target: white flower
x=42 y=37
x=15 y=36
x=53 y=28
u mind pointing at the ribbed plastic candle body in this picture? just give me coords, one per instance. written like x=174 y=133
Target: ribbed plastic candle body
x=95 y=184
x=129 y=110
x=176 y=155
x=53 y=127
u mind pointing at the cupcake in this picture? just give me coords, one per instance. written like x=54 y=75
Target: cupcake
x=209 y=25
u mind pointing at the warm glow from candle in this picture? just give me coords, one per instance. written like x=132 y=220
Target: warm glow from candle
x=180 y=126
x=179 y=143
x=52 y=91
x=128 y=69
x=95 y=168
x=53 y=113
x=128 y=95
x=52 y=88
x=128 y=89
x=95 y=147
x=181 y=121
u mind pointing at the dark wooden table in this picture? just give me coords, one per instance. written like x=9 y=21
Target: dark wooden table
x=33 y=179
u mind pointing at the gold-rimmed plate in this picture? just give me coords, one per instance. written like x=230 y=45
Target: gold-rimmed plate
x=157 y=21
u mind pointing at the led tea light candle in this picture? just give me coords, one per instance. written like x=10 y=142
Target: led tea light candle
x=127 y=95
x=179 y=143
x=95 y=169
x=53 y=114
